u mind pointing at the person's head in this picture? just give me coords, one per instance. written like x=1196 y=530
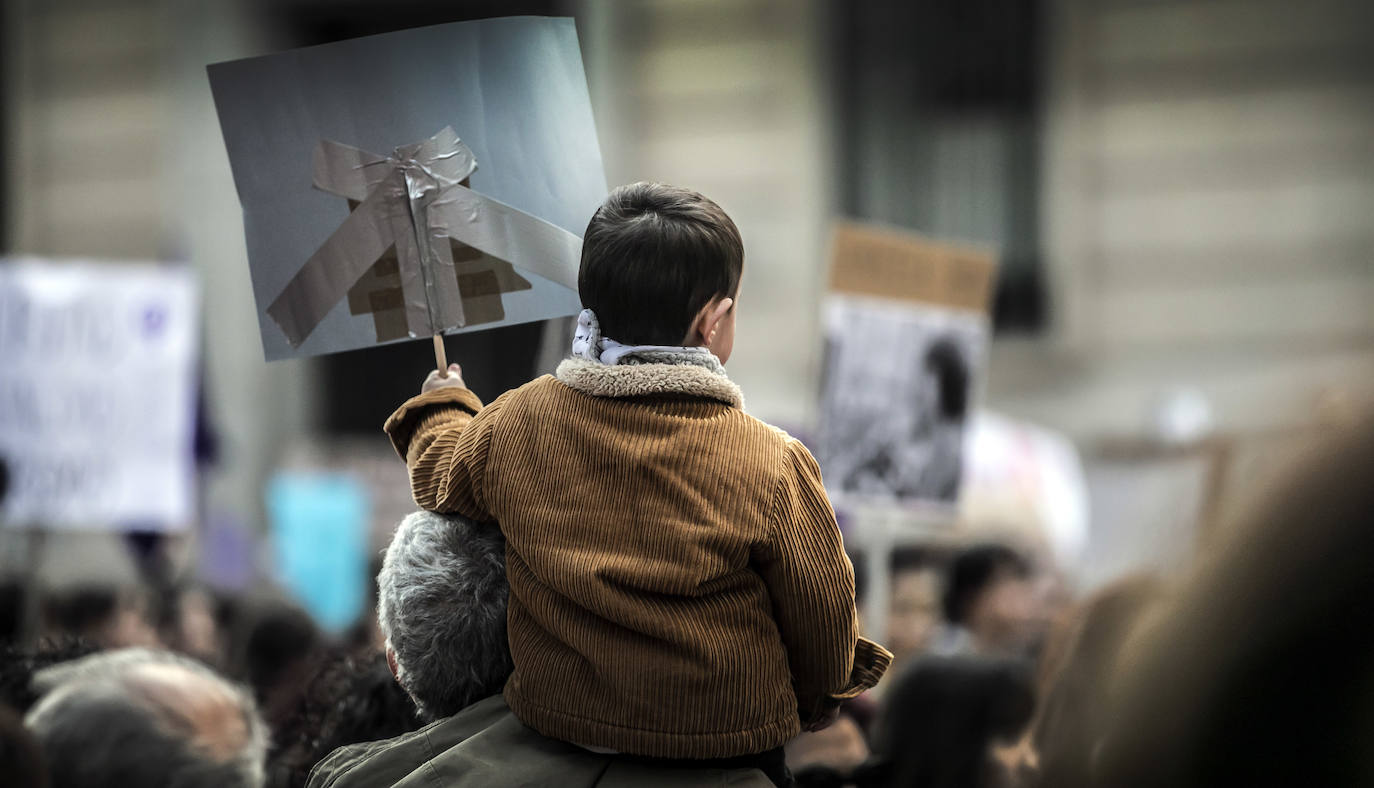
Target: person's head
x=946 y=364
x=108 y=616
x=914 y=607
x=282 y=642
x=1258 y=670
x=943 y=716
x=1077 y=670
x=661 y=265
x=142 y=719
x=441 y=603
x=989 y=591
x=19 y=665
x=352 y=698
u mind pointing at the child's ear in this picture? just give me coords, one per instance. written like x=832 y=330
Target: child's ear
x=708 y=319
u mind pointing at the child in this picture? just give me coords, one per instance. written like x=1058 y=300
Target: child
x=678 y=586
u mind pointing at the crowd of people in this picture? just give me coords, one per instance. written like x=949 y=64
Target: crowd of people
x=1252 y=668
x=621 y=578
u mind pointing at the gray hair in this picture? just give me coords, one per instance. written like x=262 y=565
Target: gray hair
x=441 y=603
x=143 y=719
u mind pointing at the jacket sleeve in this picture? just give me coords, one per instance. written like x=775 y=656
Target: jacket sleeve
x=811 y=583
x=445 y=437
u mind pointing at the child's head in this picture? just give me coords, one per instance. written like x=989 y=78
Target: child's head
x=661 y=266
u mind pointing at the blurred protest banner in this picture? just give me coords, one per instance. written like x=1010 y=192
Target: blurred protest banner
x=906 y=333
x=319 y=524
x=97 y=394
x=428 y=181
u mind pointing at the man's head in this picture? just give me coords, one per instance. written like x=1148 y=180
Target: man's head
x=140 y=718
x=661 y=265
x=441 y=603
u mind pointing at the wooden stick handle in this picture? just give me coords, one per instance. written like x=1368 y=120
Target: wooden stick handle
x=440 y=357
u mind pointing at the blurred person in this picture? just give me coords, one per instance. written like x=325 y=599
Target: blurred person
x=13 y=601
x=442 y=605
x=18 y=666
x=946 y=719
x=139 y=718
x=1260 y=671
x=914 y=609
x=281 y=653
x=1081 y=658
x=196 y=628
x=352 y=698
x=106 y=616
x=826 y=754
x=990 y=603
x=679 y=583
x=21 y=760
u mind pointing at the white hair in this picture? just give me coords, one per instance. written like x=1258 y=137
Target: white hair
x=441 y=603
x=142 y=718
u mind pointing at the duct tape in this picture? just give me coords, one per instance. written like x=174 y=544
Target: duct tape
x=420 y=251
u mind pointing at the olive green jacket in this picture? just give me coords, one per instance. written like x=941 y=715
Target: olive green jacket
x=485 y=745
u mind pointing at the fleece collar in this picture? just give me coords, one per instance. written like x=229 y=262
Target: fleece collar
x=638 y=380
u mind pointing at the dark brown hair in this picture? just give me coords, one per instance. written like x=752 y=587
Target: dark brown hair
x=652 y=257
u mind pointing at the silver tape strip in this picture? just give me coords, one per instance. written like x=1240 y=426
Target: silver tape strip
x=414 y=200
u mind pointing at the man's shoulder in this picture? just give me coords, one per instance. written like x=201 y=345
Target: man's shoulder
x=390 y=760
x=507 y=752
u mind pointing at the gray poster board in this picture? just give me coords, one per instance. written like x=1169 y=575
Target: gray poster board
x=298 y=124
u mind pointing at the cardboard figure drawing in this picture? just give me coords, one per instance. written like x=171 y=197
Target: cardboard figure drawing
x=428 y=181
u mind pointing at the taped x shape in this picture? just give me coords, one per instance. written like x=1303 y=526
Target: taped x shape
x=415 y=200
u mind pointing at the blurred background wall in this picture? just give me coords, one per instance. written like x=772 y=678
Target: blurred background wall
x=1182 y=193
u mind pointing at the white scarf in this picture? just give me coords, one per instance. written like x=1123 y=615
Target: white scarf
x=588 y=343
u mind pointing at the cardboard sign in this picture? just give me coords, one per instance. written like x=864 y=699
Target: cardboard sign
x=97 y=394
x=319 y=540
x=890 y=263
x=906 y=334
x=435 y=180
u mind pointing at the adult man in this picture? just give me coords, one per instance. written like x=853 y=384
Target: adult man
x=138 y=718
x=442 y=606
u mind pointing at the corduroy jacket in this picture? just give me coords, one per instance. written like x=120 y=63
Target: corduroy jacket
x=678 y=585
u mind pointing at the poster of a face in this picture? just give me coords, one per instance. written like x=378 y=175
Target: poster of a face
x=434 y=180
x=899 y=382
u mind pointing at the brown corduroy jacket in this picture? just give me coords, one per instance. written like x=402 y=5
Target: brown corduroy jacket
x=678 y=585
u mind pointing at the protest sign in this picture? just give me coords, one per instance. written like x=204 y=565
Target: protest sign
x=320 y=540
x=97 y=394
x=428 y=181
x=906 y=332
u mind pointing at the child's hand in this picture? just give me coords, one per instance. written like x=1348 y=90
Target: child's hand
x=832 y=713
x=451 y=378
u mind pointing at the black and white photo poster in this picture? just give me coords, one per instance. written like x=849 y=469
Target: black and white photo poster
x=899 y=383
x=906 y=334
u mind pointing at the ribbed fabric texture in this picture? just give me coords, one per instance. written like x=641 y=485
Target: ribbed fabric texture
x=678 y=586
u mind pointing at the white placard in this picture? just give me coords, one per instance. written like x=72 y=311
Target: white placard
x=97 y=394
